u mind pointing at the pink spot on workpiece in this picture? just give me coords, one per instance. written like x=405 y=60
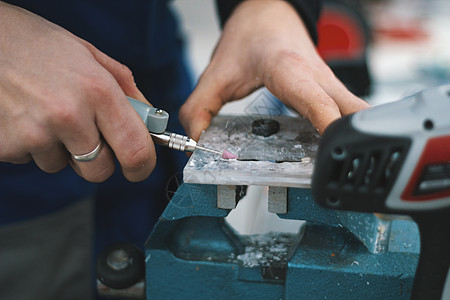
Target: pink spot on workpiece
x=228 y=155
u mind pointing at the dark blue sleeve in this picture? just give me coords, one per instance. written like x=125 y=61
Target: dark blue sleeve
x=309 y=10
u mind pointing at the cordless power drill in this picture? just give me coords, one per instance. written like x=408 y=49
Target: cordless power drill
x=395 y=159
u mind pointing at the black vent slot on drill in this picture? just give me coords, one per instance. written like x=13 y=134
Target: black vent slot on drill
x=364 y=170
x=355 y=170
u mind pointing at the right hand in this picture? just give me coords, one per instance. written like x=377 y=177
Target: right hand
x=60 y=95
x=265 y=43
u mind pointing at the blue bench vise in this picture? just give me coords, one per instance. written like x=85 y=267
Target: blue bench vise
x=194 y=253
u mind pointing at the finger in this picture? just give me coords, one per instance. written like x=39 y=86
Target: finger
x=124 y=131
x=216 y=86
x=348 y=103
x=311 y=101
x=294 y=86
x=33 y=141
x=22 y=160
x=79 y=134
x=47 y=152
x=117 y=121
x=97 y=170
x=10 y=149
x=121 y=73
x=15 y=156
x=199 y=109
x=53 y=159
x=295 y=81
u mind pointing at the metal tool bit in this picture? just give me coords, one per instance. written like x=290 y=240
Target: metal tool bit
x=179 y=142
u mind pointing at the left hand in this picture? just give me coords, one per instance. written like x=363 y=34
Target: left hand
x=265 y=43
x=59 y=95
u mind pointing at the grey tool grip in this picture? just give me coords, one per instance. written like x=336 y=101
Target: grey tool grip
x=154 y=118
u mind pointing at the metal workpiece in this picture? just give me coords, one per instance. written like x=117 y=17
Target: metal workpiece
x=226 y=196
x=229 y=195
x=277 y=198
x=283 y=159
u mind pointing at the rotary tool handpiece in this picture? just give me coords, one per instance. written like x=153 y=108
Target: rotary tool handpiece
x=395 y=159
x=156 y=121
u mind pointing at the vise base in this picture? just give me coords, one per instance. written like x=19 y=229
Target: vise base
x=193 y=253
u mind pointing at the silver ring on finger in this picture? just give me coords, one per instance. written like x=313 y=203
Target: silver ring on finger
x=91 y=155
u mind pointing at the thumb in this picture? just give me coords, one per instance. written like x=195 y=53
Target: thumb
x=202 y=105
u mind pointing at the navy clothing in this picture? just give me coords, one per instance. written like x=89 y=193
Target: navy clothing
x=141 y=34
x=27 y=192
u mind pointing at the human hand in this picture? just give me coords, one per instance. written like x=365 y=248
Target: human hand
x=266 y=43
x=60 y=95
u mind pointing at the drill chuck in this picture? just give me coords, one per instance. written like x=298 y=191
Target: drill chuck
x=175 y=141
